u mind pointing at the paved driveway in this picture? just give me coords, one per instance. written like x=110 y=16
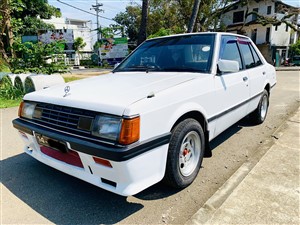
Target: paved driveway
x=32 y=193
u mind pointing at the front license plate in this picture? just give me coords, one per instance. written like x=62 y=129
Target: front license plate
x=51 y=143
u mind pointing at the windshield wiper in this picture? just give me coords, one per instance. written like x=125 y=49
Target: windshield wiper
x=182 y=69
x=142 y=67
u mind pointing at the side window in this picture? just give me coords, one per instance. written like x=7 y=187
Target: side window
x=247 y=54
x=257 y=60
x=230 y=51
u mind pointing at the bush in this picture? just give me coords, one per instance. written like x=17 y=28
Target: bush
x=3 y=66
x=295 y=48
x=38 y=58
x=87 y=62
x=9 y=91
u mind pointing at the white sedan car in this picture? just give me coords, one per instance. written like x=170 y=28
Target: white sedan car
x=153 y=117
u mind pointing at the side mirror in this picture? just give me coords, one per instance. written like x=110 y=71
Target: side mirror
x=228 y=66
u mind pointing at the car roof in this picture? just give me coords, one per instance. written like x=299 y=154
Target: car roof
x=199 y=33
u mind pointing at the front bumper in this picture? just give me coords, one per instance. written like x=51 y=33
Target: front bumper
x=134 y=167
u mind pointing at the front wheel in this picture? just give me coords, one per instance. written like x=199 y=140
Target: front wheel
x=185 y=154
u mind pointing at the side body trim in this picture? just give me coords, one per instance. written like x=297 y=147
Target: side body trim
x=233 y=108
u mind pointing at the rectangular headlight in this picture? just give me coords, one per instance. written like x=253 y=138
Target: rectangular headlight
x=26 y=110
x=107 y=127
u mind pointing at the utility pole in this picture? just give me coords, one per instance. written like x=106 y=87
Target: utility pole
x=143 y=28
x=98 y=9
x=194 y=15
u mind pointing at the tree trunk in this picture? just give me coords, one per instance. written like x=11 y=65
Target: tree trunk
x=143 y=28
x=194 y=16
x=6 y=29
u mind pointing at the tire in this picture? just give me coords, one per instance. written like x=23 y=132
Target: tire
x=259 y=115
x=185 y=154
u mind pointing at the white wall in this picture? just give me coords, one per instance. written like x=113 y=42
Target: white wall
x=262 y=10
x=281 y=37
x=84 y=32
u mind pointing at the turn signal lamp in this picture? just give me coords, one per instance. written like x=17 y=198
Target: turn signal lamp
x=130 y=131
x=20 y=109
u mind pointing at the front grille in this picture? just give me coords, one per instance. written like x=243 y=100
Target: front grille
x=64 y=118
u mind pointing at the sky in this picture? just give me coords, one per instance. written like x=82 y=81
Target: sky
x=110 y=7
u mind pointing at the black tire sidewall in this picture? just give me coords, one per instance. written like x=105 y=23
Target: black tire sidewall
x=173 y=170
x=259 y=119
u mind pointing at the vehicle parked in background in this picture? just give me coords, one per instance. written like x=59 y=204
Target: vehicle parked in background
x=153 y=117
x=296 y=60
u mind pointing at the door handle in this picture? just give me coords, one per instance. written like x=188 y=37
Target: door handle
x=245 y=79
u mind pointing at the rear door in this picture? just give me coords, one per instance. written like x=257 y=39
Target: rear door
x=256 y=72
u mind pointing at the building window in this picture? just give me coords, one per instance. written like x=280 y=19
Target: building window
x=254 y=15
x=254 y=35
x=268 y=34
x=269 y=9
x=238 y=17
x=286 y=28
x=276 y=27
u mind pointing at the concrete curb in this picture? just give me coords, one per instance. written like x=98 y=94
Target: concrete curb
x=212 y=205
x=295 y=68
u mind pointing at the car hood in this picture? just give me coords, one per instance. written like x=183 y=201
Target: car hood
x=111 y=93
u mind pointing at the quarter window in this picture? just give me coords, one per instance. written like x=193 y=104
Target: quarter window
x=257 y=60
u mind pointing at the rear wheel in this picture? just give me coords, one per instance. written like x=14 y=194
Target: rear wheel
x=260 y=114
x=185 y=154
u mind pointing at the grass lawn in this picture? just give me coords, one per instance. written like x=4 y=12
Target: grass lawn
x=4 y=103
x=69 y=79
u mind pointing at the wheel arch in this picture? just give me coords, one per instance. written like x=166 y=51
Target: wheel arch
x=268 y=88
x=201 y=119
x=194 y=115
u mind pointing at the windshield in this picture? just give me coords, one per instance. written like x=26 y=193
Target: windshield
x=192 y=53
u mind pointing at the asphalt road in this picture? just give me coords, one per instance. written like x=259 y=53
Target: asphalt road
x=33 y=193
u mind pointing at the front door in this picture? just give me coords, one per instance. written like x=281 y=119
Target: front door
x=231 y=89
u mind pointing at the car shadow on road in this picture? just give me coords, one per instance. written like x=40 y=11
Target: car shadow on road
x=61 y=198
x=160 y=190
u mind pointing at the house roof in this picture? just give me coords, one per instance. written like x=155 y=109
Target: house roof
x=277 y=3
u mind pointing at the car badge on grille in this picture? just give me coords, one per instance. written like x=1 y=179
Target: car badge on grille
x=67 y=90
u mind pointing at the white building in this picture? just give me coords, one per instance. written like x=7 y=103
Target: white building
x=273 y=40
x=80 y=28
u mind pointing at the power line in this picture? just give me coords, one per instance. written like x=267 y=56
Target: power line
x=86 y=11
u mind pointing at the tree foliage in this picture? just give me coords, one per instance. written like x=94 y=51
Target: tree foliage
x=27 y=16
x=172 y=16
x=79 y=44
x=38 y=58
x=22 y=17
x=295 y=48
